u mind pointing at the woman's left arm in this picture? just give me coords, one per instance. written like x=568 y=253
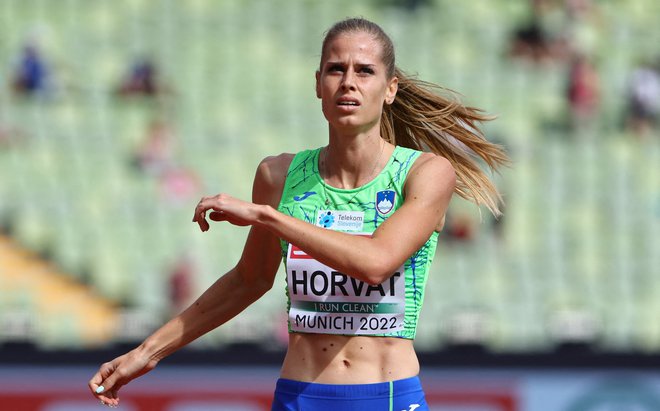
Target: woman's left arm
x=428 y=190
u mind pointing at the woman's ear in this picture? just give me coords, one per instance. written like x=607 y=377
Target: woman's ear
x=392 y=88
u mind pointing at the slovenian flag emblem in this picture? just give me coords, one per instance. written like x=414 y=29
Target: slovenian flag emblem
x=385 y=201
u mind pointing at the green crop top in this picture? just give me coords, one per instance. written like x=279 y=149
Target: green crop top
x=324 y=301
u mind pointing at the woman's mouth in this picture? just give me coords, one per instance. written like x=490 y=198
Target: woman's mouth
x=348 y=103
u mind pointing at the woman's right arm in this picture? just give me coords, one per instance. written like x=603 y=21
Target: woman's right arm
x=228 y=296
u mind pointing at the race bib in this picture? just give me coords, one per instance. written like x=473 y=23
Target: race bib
x=326 y=301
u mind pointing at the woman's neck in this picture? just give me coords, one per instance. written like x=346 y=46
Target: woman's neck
x=350 y=161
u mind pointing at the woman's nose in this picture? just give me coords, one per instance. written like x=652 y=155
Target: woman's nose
x=348 y=81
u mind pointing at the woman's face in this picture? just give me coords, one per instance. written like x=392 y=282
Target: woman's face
x=352 y=82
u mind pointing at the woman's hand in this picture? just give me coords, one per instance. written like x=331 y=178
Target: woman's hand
x=113 y=375
x=224 y=207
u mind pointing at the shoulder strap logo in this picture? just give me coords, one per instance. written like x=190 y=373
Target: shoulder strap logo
x=304 y=196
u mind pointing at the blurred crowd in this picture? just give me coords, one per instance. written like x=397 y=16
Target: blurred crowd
x=561 y=33
x=566 y=32
x=155 y=156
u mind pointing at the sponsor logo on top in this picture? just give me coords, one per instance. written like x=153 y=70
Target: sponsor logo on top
x=341 y=220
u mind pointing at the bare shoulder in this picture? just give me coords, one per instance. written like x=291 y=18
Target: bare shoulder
x=270 y=177
x=432 y=179
x=432 y=170
x=273 y=169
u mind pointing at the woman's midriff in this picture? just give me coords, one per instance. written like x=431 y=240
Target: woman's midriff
x=338 y=359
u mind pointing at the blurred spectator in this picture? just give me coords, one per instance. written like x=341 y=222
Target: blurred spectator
x=577 y=9
x=557 y=29
x=141 y=80
x=156 y=153
x=156 y=157
x=582 y=92
x=181 y=283
x=31 y=74
x=530 y=42
x=9 y=135
x=643 y=99
x=5 y=135
x=460 y=227
x=583 y=26
x=535 y=40
x=179 y=185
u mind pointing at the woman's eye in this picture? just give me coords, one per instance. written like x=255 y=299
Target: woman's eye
x=335 y=68
x=367 y=70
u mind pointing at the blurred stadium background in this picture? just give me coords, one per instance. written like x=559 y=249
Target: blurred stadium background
x=116 y=116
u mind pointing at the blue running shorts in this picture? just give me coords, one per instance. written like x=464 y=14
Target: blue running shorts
x=400 y=395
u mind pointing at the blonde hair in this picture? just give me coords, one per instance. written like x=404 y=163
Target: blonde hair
x=423 y=119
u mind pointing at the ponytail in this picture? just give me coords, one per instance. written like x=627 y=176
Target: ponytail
x=422 y=119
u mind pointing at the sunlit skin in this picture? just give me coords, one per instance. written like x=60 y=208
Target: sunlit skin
x=353 y=86
x=352 y=72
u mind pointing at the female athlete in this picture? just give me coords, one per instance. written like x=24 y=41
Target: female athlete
x=356 y=223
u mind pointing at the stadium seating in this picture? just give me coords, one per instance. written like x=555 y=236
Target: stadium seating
x=576 y=251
